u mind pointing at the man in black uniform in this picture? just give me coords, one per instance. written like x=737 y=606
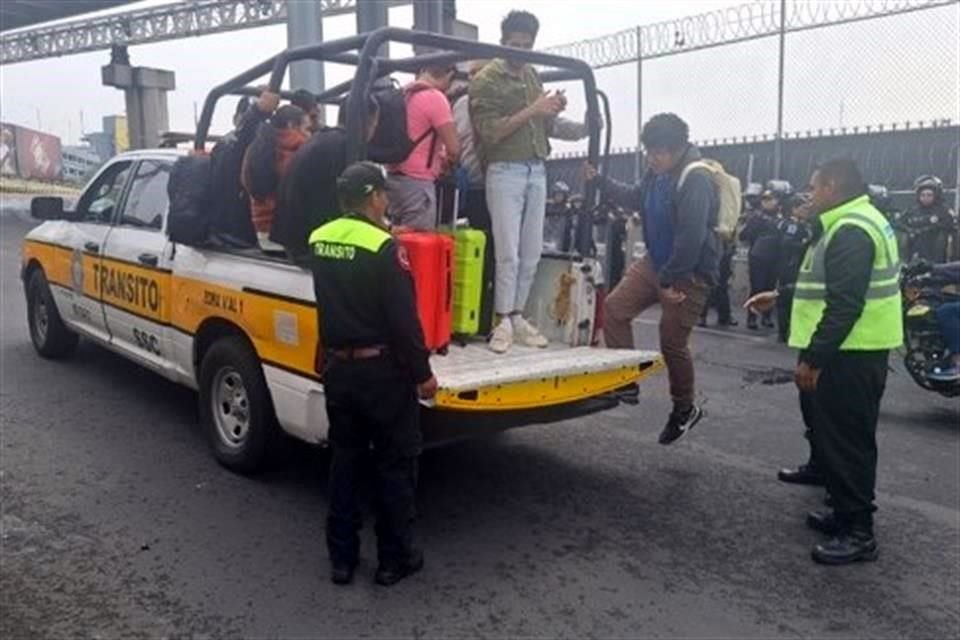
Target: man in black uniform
x=376 y=367
x=795 y=235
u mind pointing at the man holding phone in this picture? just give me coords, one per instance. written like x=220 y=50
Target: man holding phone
x=513 y=117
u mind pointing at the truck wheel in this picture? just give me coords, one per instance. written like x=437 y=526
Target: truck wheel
x=50 y=336
x=235 y=406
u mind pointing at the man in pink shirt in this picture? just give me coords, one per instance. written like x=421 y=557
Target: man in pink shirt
x=411 y=183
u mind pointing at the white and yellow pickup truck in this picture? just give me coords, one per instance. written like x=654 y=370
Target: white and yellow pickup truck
x=240 y=327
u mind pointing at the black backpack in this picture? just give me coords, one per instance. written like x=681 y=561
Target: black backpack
x=391 y=143
x=189 y=189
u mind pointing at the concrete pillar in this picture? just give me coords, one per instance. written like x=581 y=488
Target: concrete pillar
x=435 y=16
x=371 y=15
x=145 y=90
x=305 y=27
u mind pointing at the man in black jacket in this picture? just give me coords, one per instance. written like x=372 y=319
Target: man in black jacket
x=308 y=194
x=681 y=261
x=760 y=233
x=231 y=218
x=847 y=316
x=376 y=366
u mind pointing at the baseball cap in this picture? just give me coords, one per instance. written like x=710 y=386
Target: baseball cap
x=304 y=99
x=361 y=179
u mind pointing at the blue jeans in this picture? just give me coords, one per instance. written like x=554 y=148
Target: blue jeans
x=516 y=198
x=948 y=317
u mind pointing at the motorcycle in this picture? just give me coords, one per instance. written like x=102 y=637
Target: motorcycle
x=923 y=341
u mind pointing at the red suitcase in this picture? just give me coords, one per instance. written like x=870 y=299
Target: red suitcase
x=431 y=262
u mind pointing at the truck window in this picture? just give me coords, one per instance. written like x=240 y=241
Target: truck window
x=100 y=200
x=147 y=203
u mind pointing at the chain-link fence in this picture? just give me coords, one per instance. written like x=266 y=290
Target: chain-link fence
x=786 y=71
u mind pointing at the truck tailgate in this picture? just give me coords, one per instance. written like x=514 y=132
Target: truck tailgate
x=472 y=378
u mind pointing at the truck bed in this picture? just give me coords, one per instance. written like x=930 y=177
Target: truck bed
x=473 y=378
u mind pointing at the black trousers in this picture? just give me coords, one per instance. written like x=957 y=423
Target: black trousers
x=842 y=415
x=784 y=308
x=372 y=403
x=763 y=277
x=720 y=295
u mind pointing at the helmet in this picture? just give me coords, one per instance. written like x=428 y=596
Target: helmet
x=781 y=188
x=561 y=187
x=879 y=196
x=931 y=183
x=751 y=195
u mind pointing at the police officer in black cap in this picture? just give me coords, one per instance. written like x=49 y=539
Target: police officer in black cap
x=376 y=367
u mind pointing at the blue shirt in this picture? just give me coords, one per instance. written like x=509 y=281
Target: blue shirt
x=658 y=221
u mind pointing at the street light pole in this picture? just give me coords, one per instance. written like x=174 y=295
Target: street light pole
x=778 y=143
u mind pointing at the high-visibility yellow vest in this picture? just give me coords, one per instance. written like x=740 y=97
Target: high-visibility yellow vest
x=339 y=239
x=880 y=325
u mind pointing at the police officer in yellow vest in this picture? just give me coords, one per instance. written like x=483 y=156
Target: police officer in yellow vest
x=846 y=317
x=376 y=366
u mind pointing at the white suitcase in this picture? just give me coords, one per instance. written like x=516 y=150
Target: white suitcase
x=634 y=246
x=563 y=299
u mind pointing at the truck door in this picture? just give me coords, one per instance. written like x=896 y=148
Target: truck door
x=136 y=269
x=81 y=304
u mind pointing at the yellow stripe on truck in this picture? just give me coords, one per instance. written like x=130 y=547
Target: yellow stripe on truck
x=284 y=333
x=283 y=330
x=56 y=261
x=543 y=392
x=141 y=291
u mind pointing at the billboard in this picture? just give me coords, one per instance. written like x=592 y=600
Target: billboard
x=8 y=149
x=38 y=155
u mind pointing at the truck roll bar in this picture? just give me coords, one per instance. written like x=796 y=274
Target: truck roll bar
x=362 y=50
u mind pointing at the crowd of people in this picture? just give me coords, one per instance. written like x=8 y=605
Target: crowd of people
x=824 y=264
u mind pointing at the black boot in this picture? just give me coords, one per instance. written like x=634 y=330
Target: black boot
x=804 y=474
x=341 y=572
x=389 y=574
x=847 y=548
x=728 y=322
x=767 y=321
x=752 y=322
x=824 y=521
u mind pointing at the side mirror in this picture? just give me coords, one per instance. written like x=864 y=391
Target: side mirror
x=47 y=208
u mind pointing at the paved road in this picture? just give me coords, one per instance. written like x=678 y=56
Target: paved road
x=117 y=523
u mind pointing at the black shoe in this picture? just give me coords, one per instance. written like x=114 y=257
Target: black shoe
x=703 y=323
x=679 y=424
x=824 y=522
x=391 y=574
x=342 y=573
x=729 y=322
x=767 y=323
x=752 y=323
x=628 y=394
x=804 y=474
x=847 y=548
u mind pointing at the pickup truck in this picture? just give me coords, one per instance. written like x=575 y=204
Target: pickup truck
x=240 y=326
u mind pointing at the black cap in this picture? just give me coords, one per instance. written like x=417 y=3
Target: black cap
x=361 y=179
x=304 y=99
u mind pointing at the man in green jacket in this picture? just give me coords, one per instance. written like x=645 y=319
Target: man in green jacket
x=514 y=119
x=846 y=317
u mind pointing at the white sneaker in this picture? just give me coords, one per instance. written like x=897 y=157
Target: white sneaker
x=502 y=337
x=527 y=334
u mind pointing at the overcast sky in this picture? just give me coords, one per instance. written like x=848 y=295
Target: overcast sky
x=879 y=71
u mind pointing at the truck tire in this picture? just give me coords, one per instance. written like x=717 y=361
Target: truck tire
x=235 y=406
x=50 y=336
